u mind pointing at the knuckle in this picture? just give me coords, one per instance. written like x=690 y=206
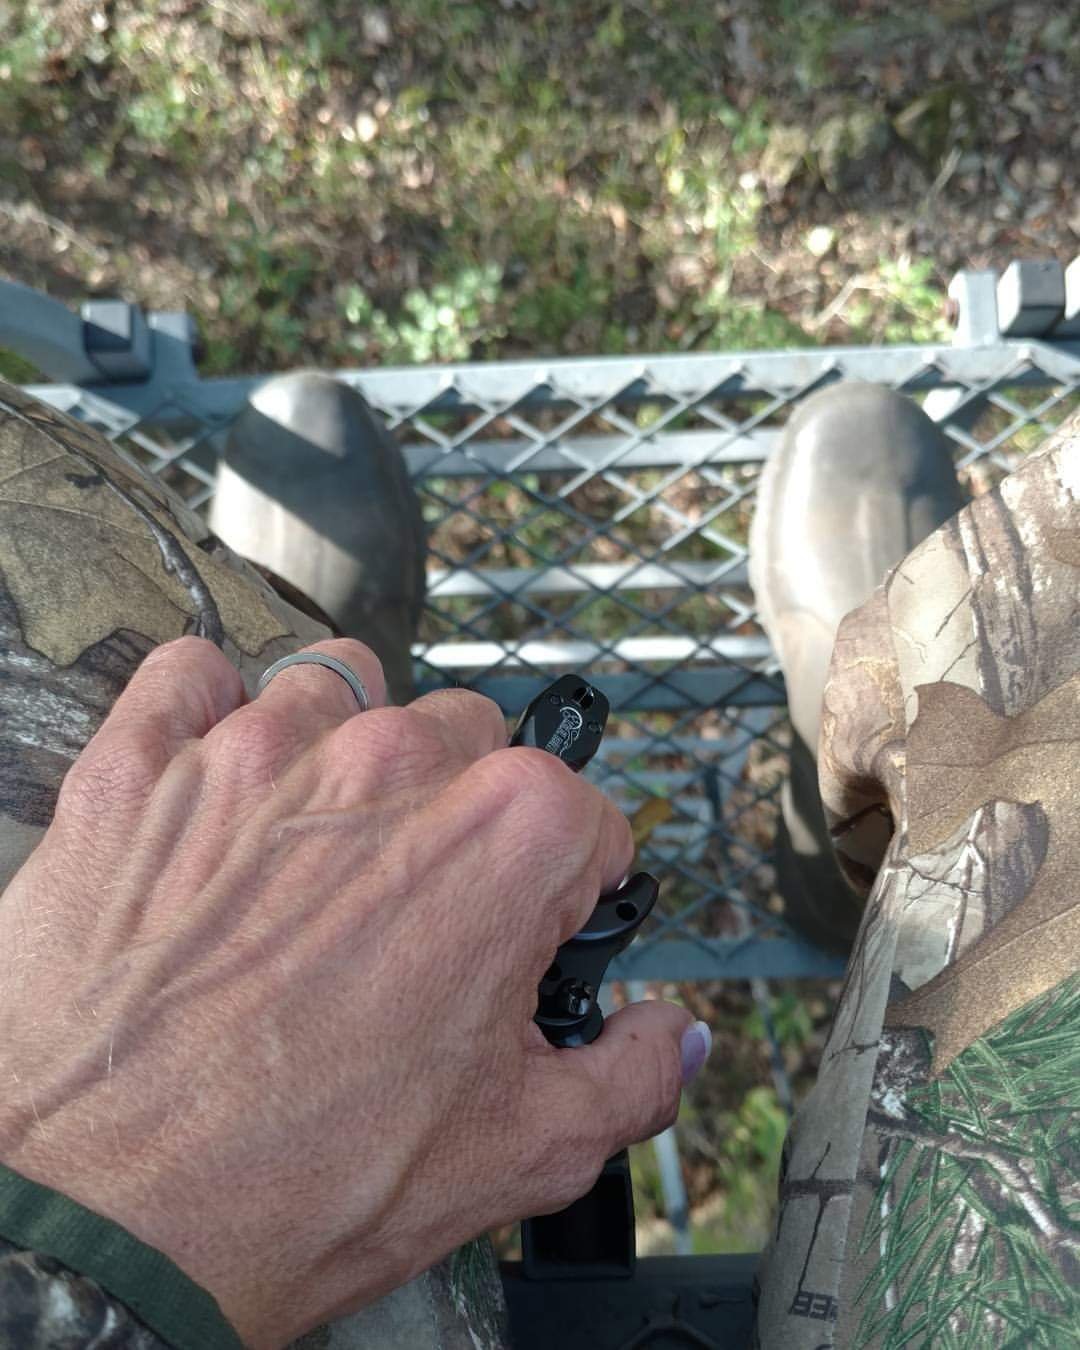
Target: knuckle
x=476 y=705
x=547 y=822
x=528 y=780
x=397 y=742
x=563 y=812
x=187 y=679
x=248 y=742
x=477 y=720
x=166 y=667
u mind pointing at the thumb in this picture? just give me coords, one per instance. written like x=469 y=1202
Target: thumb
x=588 y=1103
x=639 y=1065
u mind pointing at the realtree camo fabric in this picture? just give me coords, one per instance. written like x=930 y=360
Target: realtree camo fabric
x=98 y=565
x=930 y=1192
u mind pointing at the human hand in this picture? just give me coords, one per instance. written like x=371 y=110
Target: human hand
x=269 y=981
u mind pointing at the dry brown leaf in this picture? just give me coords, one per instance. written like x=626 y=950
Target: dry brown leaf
x=648 y=817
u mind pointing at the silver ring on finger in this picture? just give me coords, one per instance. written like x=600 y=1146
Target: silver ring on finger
x=355 y=683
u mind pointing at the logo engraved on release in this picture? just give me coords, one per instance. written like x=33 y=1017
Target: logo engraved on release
x=567 y=732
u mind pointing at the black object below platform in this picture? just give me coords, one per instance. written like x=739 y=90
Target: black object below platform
x=592 y=1239
x=672 y=1303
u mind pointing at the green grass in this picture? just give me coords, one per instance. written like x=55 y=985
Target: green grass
x=15 y=369
x=447 y=179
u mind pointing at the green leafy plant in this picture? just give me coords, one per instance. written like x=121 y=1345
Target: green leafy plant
x=23 y=47
x=442 y=324
x=746 y=1171
x=791 y=1021
x=903 y=302
x=15 y=369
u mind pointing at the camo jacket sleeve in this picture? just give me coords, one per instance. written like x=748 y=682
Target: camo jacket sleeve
x=931 y=1179
x=46 y=1306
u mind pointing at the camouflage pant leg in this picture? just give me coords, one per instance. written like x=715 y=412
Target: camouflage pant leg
x=98 y=565
x=930 y=1193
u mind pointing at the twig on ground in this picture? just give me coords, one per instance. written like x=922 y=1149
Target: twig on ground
x=838 y=303
x=27 y=213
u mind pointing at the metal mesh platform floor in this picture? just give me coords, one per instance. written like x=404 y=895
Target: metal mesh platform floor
x=594 y=515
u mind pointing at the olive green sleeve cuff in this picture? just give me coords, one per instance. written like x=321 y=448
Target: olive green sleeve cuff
x=154 y=1288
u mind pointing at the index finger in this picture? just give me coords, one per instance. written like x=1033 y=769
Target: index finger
x=470 y=723
x=182 y=689
x=568 y=839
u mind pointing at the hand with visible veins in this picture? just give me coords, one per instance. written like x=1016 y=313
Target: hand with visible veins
x=269 y=982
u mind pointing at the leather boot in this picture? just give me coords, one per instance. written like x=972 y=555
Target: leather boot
x=313 y=488
x=862 y=476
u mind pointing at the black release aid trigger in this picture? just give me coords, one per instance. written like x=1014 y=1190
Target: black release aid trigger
x=569 y=1011
x=567 y=719
x=594 y=1237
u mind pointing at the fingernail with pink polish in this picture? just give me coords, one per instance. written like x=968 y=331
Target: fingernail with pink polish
x=696 y=1044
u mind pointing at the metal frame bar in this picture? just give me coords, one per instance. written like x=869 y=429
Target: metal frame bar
x=528 y=384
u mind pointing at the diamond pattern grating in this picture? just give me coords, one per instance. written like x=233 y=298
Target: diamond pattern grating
x=594 y=516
